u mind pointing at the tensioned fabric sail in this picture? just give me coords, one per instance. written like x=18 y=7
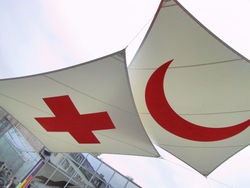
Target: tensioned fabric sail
x=191 y=90
x=85 y=108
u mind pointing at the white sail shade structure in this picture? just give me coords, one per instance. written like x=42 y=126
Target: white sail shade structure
x=85 y=108
x=191 y=90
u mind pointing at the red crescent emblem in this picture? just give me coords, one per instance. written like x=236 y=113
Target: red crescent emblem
x=167 y=118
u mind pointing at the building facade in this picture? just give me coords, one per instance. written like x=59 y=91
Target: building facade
x=25 y=162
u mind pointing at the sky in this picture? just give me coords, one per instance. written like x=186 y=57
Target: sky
x=56 y=35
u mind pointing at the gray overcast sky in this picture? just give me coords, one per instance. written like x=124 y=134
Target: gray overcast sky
x=39 y=36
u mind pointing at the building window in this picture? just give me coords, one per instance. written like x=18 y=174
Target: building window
x=71 y=171
x=65 y=164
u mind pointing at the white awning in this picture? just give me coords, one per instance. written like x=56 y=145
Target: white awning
x=189 y=107
x=85 y=108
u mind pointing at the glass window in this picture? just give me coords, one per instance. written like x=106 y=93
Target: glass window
x=80 y=178
x=93 y=163
x=43 y=175
x=77 y=184
x=58 y=180
x=98 y=183
x=65 y=164
x=4 y=126
x=105 y=172
x=85 y=170
x=70 y=171
x=17 y=157
x=77 y=158
x=131 y=185
x=118 y=181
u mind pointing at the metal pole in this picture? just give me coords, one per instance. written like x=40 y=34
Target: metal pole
x=45 y=162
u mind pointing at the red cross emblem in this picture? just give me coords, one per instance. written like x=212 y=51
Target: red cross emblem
x=68 y=119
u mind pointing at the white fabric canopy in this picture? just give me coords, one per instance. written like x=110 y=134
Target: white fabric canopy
x=205 y=88
x=102 y=118
x=191 y=90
